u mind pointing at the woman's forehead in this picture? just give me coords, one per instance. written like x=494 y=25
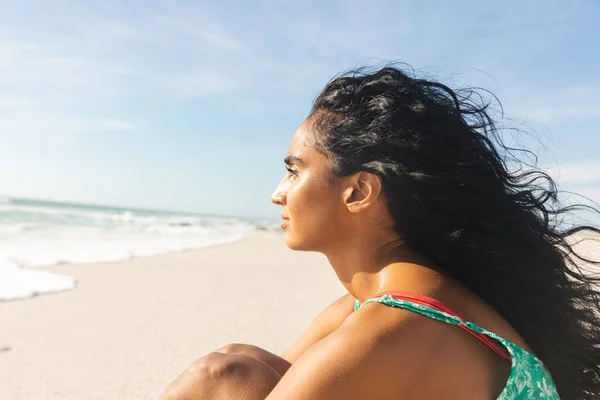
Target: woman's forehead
x=300 y=141
x=303 y=147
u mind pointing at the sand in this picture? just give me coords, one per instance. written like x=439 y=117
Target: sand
x=131 y=327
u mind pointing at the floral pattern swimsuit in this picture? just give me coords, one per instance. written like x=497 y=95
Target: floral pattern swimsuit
x=528 y=379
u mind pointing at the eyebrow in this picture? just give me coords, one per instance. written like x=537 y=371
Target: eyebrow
x=289 y=160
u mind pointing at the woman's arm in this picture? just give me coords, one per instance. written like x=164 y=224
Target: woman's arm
x=356 y=362
x=331 y=318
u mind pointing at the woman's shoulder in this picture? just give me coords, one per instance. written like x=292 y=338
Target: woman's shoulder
x=396 y=330
x=434 y=352
x=352 y=363
x=382 y=352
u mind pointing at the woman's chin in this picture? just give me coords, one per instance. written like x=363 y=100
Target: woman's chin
x=299 y=245
x=292 y=242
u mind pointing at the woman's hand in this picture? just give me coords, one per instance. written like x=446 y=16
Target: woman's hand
x=220 y=376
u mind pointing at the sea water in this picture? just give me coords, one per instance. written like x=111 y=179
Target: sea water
x=40 y=233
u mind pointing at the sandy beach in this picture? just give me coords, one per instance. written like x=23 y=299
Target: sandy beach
x=130 y=327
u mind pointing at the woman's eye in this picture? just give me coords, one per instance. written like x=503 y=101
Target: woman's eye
x=291 y=172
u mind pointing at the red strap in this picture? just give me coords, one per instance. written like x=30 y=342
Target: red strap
x=438 y=305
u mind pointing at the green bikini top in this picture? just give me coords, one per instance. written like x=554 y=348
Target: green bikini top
x=528 y=379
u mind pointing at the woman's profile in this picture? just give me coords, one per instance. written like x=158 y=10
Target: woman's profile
x=462 y=281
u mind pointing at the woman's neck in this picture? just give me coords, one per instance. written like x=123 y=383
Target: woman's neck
x=365 y=267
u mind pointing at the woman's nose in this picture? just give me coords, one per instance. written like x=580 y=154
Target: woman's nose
x=278 y=197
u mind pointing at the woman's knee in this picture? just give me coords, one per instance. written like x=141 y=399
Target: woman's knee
x=208 y=366
x=204 y=376
x=235 y=348
x=223 y=373
x=279 y=364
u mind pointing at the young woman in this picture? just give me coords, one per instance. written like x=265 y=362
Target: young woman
x=462 y=283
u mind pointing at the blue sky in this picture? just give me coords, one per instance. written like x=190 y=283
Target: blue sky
x=190 y=105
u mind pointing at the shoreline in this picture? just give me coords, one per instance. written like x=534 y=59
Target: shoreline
x=27 y=292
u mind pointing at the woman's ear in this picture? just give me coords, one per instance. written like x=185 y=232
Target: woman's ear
x=362 y=191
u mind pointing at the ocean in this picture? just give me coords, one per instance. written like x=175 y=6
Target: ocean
x=40 y=233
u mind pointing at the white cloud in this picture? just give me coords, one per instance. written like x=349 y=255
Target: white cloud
x=22 y=119
x=583 y=172
x=37 y=66
x=587 y=196
x=115 y=125
x=197 y=51
x=194 y=24
x=202 y=82
x=555 y=114
x=580 y=184
x=557 y=104
x=99 y=56
x=591 y=192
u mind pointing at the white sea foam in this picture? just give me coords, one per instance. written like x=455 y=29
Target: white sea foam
x=40 y=234
x=19 y=283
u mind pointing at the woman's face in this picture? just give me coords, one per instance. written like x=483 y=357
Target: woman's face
x=310 y=195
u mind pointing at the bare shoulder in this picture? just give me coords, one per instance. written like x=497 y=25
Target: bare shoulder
x=445 y=360
x=386 y=353
x=359 y=360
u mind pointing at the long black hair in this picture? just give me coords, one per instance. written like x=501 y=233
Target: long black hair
x=462 y=197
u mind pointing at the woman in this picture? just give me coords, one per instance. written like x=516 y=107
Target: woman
x=465 y=285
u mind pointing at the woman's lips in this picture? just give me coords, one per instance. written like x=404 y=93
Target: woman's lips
x=285 y=222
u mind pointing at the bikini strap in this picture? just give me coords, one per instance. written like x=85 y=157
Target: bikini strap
x=441 y=307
